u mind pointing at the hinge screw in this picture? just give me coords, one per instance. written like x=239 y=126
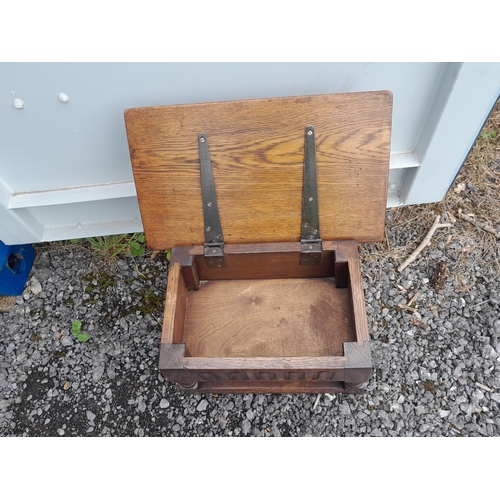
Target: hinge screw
x=309 y=132
x=209 y=203
x=202 y=139
x=208 y=228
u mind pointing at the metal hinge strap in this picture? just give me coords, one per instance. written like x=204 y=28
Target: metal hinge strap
x=310 y=239
x=214 y=240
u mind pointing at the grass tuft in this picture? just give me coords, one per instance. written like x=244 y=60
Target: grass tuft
x=111 y=247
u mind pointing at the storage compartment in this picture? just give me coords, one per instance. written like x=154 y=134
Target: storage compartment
x=265 y=322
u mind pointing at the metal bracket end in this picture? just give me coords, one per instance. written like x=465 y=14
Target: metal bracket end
x=310 y=253
x=214 y=255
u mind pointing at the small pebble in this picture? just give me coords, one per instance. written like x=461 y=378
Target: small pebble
x=245 y=427
x=66 y=341
x=202 y=405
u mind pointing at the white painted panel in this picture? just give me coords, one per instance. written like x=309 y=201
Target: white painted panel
x=77 y=194
x=95 y=218
x=19 y=226
x=467 y=95
x=50 y=144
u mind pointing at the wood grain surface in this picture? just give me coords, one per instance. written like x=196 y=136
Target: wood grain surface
x=266 y=266
x=288 y=367
x=257 y=153
x=275 y=318
x=175 y=306
x=347 y=251
x=274 y=387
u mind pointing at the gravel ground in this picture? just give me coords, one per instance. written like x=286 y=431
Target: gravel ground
x=437 y=369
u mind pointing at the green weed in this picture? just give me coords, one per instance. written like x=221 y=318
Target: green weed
x=492 y=134
x=76 y=329
x=111 y=247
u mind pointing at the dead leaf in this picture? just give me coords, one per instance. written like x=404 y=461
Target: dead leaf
x=66 y=386
x=460 y=188
x=434 y=310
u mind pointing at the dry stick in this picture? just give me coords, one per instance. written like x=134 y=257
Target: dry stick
x=407 y=308
x=480 y=303
x=317 y=401
x=424 y=243
x=480 y=225
x=484 y=387
x=413 y=299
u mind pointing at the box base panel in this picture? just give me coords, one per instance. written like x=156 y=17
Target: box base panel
x=275 y=317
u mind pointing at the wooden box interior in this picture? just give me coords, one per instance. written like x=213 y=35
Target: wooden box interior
x=263 y=313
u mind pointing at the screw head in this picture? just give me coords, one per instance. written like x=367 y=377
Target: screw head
x=310 y=247
x=305 y=224
x=309 y=132
x=202 y=139
x=214 y=250
x=208 y=228
x=311 y=198
x=209 y=203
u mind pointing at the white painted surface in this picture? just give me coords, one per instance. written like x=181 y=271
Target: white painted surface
x=76 y=194
x=64 y=158
x=462 y=105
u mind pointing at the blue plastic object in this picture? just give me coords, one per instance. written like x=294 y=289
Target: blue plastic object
x=15 y=266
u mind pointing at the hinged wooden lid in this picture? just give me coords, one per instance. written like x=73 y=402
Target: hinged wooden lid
x=257 y=154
